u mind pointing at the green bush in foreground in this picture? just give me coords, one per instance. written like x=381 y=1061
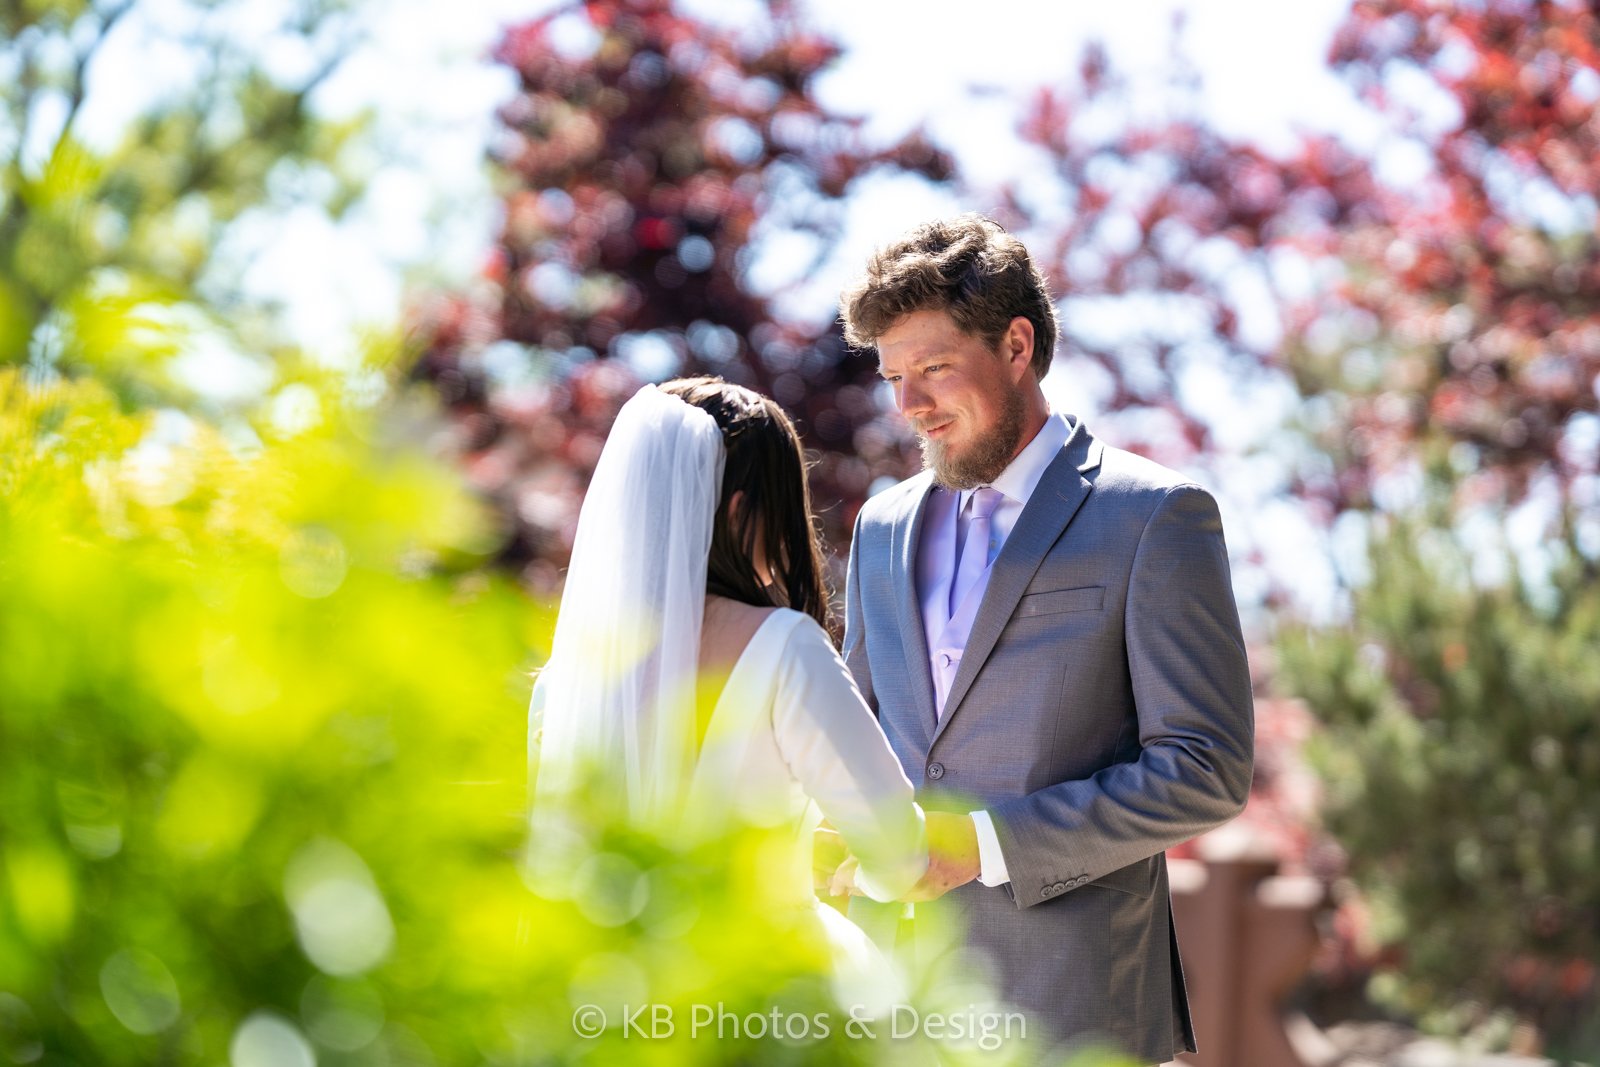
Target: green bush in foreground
x=262 y=782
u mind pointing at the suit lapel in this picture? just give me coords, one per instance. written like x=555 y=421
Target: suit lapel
x=1055 y=500
x=908 y=609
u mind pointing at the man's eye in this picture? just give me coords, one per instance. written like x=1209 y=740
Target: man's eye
x=930 y=368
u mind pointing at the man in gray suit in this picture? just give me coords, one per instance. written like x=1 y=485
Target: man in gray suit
x=1046 y=628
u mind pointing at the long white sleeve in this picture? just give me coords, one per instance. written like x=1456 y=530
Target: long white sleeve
x=839 y=755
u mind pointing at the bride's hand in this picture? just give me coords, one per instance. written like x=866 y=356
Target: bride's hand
x=843 y=883
x=828 y=851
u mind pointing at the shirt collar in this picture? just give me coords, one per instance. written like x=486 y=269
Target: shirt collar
x=1018 y=481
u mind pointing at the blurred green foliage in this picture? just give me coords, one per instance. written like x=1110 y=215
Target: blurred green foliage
x=109 y=258
x=1459 y=755
x=214 y=675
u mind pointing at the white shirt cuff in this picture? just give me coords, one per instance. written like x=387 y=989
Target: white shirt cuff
x=991 y=861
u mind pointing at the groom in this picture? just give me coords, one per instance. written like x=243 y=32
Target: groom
x=1046 y=628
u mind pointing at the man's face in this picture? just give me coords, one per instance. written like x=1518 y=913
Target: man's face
x=963 y=398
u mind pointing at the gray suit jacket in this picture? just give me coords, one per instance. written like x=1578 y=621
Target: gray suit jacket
x=1101 y=714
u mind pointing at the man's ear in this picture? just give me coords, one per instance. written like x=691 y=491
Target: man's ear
x=1017 y=347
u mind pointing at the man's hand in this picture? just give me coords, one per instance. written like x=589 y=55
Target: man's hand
x=952 y=855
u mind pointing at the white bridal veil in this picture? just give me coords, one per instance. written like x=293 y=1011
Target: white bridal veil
x=615 y=707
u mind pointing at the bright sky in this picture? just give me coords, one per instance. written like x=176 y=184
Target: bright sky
x=429 y=214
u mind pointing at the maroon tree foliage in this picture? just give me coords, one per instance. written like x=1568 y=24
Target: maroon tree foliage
x=641 y=174
x=1450 y=324
x=1483 y=278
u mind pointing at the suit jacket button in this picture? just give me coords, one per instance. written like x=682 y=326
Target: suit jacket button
x=936 y=771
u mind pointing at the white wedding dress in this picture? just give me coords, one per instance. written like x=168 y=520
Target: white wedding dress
x=790 y=739
x=791 y=742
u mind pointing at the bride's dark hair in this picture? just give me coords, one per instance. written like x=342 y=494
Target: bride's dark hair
x=766 y=463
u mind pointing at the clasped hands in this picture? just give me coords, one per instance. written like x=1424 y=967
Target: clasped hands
x=952 y=859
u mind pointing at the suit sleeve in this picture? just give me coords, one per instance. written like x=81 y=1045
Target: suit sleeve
x=1191 y=691
x=855 y=635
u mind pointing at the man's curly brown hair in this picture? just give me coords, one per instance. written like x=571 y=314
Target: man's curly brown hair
x=967 y=266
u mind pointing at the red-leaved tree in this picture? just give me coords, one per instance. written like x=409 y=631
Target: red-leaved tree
x=644 y=156
x=1435 y=299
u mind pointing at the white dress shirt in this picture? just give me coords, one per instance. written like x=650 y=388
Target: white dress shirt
x=943 y=531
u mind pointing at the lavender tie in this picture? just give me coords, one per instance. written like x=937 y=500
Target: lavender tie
x=975 y=550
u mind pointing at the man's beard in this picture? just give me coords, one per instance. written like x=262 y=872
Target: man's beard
x=986 y=459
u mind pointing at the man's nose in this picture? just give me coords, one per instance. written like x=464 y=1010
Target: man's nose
x=911 y=398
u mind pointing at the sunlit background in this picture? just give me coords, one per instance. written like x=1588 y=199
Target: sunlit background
x=314 y=315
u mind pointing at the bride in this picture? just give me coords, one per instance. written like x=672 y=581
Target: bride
x=692 y=680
